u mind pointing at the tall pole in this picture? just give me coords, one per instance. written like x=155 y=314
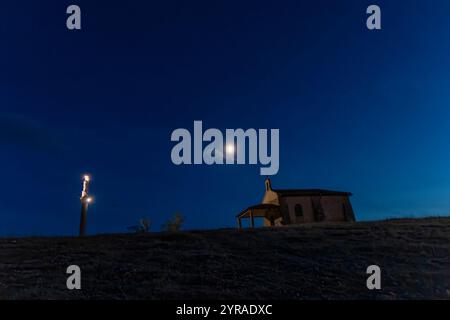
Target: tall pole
x=85 y=200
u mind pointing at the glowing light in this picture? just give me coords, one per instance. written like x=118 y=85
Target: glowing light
x=229 y=149
x=89 y=200
x=87 y=178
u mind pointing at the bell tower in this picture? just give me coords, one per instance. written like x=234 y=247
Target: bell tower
x=268 y=184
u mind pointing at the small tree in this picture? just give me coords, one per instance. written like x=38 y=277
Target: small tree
x=143 y=226
x=174 y=224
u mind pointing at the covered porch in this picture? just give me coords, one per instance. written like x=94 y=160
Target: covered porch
x=270 y=213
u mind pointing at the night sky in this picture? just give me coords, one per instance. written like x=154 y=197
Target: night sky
x=358 y=110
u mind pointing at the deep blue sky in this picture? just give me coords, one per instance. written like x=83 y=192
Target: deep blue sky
x=360 y=111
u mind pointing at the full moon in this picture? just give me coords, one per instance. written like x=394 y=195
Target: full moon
x=229 y=149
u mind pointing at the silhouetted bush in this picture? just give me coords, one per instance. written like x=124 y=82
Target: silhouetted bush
x=174 y=224
x=144 y=226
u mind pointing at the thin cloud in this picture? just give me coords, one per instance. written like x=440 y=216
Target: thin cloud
x=22 y=131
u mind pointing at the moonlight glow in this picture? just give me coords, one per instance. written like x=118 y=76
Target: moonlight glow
x=229 y=149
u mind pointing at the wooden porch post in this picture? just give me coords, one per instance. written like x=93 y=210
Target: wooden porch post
x=239 y=223
x=252 y=220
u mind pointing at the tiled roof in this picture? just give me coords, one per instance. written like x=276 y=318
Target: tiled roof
x=310 y=192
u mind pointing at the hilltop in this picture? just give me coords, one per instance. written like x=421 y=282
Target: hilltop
x=321 y=261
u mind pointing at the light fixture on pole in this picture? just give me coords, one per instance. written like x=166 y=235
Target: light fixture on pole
x=85 y=201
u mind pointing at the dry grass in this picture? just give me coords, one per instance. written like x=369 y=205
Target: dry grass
x=305 y=262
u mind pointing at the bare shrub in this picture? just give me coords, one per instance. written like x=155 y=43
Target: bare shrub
x=173 y=224
x=143 y=226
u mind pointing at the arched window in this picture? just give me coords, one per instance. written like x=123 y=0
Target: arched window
x=298 y=210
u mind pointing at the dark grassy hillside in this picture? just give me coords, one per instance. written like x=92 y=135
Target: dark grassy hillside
x=305 y=262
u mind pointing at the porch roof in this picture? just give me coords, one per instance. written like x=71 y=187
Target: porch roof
x=259 y=210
